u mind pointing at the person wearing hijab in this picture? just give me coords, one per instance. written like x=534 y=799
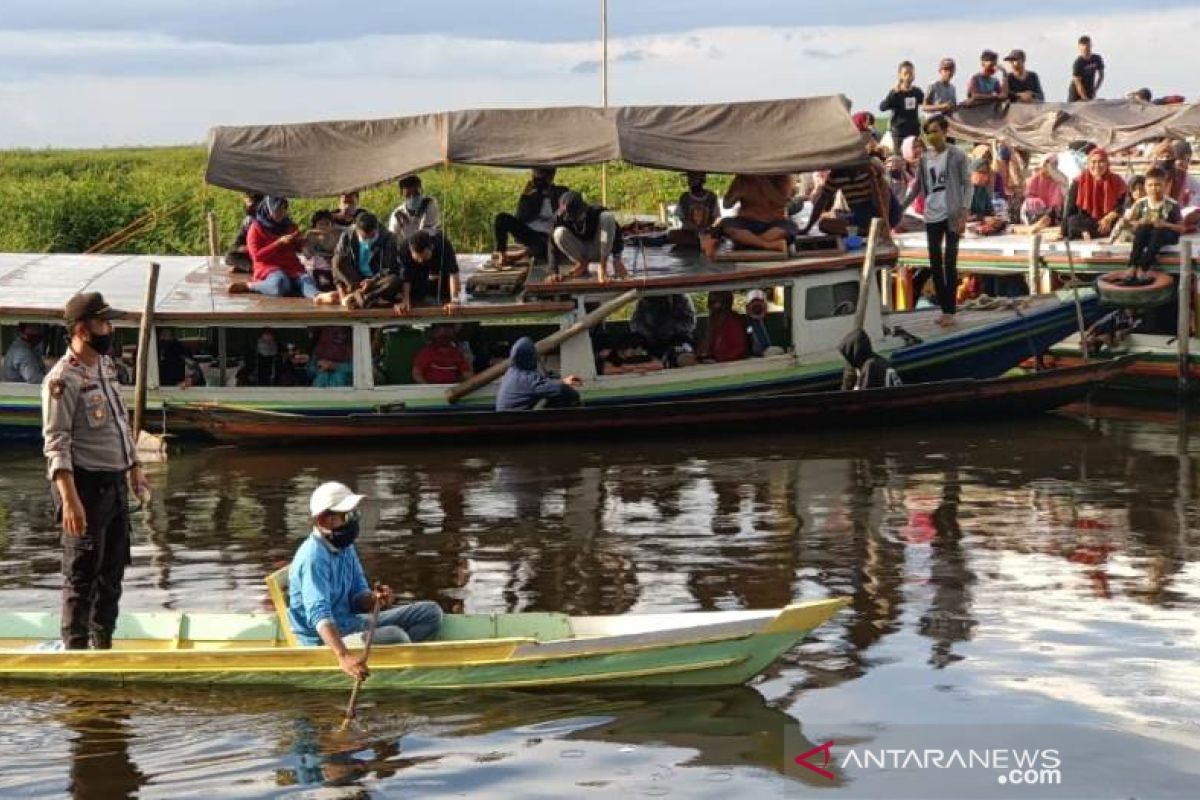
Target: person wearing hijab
x=524 y=386
x=1094 y=201
x=274 y=243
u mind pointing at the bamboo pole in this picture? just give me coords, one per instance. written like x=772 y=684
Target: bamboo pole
x=1183 y=334
x=586 y=323
x=1035 y=255
x=868 y=267
x=143 y=351
x=214 y=242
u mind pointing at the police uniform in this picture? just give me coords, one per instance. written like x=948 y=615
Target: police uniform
x=86 y=431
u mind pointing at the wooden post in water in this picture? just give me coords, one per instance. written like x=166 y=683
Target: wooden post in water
x=460 y=390
x=864 y=283
x=143 y=350
x=1183 y=332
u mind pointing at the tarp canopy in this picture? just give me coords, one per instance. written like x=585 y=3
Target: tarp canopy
x=1046 y=127
x=319 y=159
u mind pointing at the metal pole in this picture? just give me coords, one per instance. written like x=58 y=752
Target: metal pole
x=604 y=90
x=143 y=351
x=1183 y=333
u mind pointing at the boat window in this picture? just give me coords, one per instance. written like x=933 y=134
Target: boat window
x=445 y=353
x=831 y=300
x=31 y=349
x=318 y=355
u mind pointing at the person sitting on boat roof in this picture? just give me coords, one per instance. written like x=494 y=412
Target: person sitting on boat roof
x=1157 y=223
x=441 y=360
x=363 y=261
x=524 y=387
x=865 y=190
x=698 y=210
x=1094 y=201
x=320 y=243
x=332 y=362
x=667 y=323
x=762 y=221
x=274 y=243
x=422 y=259
x=238 y=257
x=348 y=210
x=24 y=361
x=417 y=212
x=864 y=369
x=329 y=598
x=725 y=336
x=584 y=233
x=533 y=223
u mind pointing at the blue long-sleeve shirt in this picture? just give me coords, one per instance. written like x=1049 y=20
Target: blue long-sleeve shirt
x=322 y=585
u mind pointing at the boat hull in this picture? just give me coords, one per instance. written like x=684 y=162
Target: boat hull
x=963 y=399
x=730 y=650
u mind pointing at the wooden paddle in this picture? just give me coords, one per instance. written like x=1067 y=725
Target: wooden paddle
x=350 y=708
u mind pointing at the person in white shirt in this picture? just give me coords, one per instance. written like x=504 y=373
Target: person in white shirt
x=418 y=212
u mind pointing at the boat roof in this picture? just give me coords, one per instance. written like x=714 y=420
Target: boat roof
x=320 y=159
x=195 y=289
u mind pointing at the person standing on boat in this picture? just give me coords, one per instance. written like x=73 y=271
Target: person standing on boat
x=1087 y=73
x=417 y=212
x=524 y=386
x=944 y=180
x=904 y=101
x=275 y=244
x=329 y=598
x=941 y=97
x=92 y=462
x=987 y=85
x=24 y=362
x=534 y=220
x=1024 y=86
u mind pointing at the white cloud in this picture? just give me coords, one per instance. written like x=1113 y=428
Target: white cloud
x=78 y=89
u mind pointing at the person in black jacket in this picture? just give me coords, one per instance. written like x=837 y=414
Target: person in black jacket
x=238 y=257
x=1024 y=86
x=365 y=254
x=586 y=233
x=534 y=220
x=904 y=101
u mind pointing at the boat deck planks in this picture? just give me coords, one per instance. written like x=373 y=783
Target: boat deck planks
x=1010 y=252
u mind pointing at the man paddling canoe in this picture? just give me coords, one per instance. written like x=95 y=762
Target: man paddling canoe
x=328 y=594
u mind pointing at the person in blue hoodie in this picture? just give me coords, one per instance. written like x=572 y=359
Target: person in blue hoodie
x=523 y=385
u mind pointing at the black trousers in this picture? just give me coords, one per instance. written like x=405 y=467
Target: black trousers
x=943 y=265
x=1147 y=241
x=94 y=563
x=507 y=225
x=1080 y=223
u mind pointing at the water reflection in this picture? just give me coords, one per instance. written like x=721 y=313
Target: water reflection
x=101 y=767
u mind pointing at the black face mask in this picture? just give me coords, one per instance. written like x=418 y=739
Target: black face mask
x=1167 y=166
x=343 y=537
x=101 y=343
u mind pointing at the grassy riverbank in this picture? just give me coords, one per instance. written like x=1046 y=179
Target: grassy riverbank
x=68 y=200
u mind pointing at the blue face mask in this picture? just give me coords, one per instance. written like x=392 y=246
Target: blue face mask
x=343 y=537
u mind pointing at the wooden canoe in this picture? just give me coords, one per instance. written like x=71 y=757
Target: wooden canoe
x=529 y=650
x=994 y=398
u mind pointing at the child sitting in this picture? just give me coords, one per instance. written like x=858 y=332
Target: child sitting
x=1157 y=222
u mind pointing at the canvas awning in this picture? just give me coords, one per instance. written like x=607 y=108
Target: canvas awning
x=1047 y=127
x=319 y=159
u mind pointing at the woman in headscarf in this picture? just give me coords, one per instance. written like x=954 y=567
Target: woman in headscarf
x=1095 y=200
x=274 y=243
x=1044 y=195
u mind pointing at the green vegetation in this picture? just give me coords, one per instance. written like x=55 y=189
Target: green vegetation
x=68 y=200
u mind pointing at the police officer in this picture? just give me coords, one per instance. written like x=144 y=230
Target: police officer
x=92 y=461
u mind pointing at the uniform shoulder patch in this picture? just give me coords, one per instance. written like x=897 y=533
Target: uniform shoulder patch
x=57 y=385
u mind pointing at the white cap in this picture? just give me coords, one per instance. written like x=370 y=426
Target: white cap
x=756 y=294
x=333 y=496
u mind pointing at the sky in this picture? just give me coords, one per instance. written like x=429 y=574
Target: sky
x=80 y=73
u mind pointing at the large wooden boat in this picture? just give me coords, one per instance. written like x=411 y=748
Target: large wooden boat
x=1011 y=257
x=494 y=651
x=994 y=398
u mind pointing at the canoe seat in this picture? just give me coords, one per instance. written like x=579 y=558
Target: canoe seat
x=277 y=587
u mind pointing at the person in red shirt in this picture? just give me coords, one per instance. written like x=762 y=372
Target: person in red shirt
x=725 y=337
x=441 y=360
x=274 y=244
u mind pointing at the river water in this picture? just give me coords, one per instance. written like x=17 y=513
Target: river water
x=1039 y=574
